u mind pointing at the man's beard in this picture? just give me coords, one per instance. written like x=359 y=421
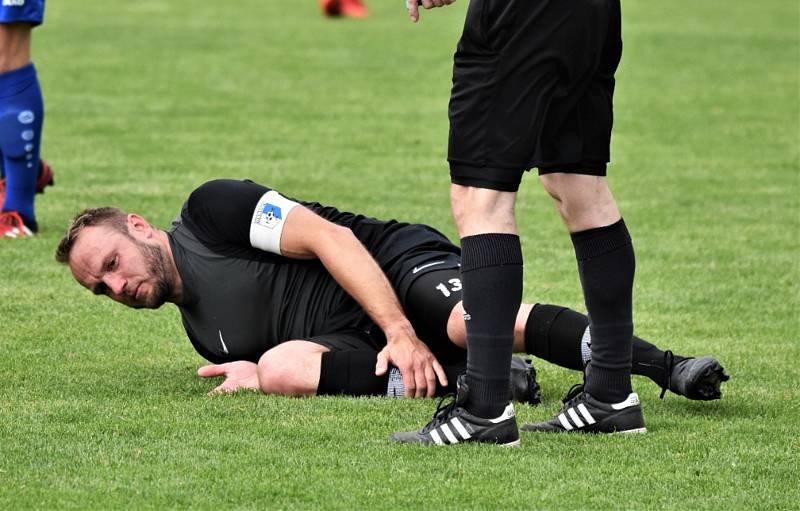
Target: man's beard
x=157 y=267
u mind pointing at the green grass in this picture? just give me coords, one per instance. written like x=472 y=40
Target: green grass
x=100 y=407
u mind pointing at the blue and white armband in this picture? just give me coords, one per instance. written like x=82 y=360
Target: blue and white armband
x=268 y=218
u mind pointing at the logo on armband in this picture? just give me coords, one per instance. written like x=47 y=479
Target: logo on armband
x=269 y=216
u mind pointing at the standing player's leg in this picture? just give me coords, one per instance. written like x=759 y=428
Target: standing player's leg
x=574 y=150
x=21 y=117
x=503 y=81
x=491 y=275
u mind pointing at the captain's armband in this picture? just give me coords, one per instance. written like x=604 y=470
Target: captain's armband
x=267 y=223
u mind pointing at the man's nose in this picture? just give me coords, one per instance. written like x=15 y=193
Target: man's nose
x=115 y=283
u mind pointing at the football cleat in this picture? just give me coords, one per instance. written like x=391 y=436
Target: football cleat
x=524 y=388
x=452 y=424
x=349 y=8
x=12 y=226
x=43 y=180
x=354 y=9
x=582 y=413
x=331 y=7
x=694 y=378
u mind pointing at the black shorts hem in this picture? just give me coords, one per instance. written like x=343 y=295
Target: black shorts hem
x=491 y=177
x=588 y=168
x=346 y=340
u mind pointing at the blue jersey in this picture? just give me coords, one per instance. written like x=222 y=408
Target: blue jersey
x=22 y=11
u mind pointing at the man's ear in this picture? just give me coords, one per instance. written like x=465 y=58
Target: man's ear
x=139 y=227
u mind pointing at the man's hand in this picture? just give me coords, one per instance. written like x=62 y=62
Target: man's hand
x=413 y=6
x=414 y=360
x=238 y=375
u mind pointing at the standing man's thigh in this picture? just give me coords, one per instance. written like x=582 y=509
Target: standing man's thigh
x=501 y=88
x=524 y=74
x=574 y=146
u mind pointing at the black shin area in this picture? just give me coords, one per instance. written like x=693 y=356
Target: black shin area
x=351 y=373
x=606 y=265
x=491 y=273
x=554 y=333
x=650 y=361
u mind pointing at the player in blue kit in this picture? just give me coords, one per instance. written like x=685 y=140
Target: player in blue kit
x=21 y=117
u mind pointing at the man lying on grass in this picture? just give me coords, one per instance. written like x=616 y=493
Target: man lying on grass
x=295 y=298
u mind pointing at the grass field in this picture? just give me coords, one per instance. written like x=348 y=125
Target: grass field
x=100 y=406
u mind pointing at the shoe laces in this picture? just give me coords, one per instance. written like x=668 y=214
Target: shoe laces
x=669 y=364
x=574 y=395
x=573 y=391
x=444 y=409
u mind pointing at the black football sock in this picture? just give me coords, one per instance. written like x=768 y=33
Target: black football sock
x=606 y=265
x=491 y=275
x=351 y=373
x=650 y=361
x=559 y=335
x=554 y=334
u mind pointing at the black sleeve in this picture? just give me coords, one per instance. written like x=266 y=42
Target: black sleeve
x=220 y=211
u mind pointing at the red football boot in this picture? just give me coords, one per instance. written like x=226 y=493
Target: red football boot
x=12 y=226
x=354 y=9
x=331 y=8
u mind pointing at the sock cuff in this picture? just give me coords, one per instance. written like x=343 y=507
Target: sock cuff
x=609 y=386
x=493 y=249
x=596 y=242
x=487 y=397
x=14 y=82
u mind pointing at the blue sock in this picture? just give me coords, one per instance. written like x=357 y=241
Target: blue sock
x=21 y=116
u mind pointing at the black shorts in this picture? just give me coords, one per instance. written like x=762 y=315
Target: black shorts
x=533 y=83
x=346 y=340
x=428 y=303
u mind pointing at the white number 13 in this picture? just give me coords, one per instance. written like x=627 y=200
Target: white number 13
x=455 y=285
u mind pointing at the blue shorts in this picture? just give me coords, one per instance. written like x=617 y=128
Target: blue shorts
x=22 y=11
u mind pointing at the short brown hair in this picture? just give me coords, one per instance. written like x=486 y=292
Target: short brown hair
x=91 y=217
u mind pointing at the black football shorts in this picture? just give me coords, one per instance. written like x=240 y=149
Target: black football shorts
x=428 y=303
x=533 y=82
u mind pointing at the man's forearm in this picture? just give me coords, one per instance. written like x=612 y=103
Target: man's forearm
x=353 y=267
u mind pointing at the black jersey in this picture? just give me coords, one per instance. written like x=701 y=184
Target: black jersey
x=240 y=300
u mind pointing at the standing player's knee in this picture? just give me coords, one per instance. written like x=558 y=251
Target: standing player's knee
x=583 y=201
x=482 y=210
